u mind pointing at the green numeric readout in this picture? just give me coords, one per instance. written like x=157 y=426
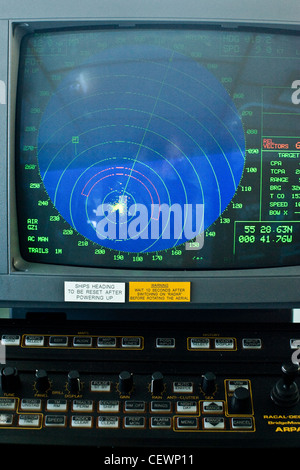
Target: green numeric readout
x=264 y=232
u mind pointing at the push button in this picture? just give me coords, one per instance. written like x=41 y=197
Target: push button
x=109 y=406
x=212 y=407
x=160 y=406
x=58 y=341
x=107 y=342
x=55 y=421
x=131 y=342
x=161 y=422
x=31 y=404
x=30 y=420
x=165 y=343
x=187 y=423
x=183 y=387
x=100 y=386
x=251 y=343
x=214 y=423
x=8 y=404
x=31 y=340
x=108 y=422
x=241 y=423
x=134 y=422
x=6 y=419
x=224 y=343
x=135 y=406
x=186 y=407
x=83 y=405
x=200 y=343
x=10 y=340
x=81 y=422
x=82 y=341
x=57 y=404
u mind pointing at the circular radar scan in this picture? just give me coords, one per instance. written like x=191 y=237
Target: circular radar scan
x=140 y=149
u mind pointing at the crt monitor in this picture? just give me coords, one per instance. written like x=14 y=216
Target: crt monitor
x=152 y=159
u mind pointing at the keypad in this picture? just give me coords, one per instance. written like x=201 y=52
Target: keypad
x=200 y=343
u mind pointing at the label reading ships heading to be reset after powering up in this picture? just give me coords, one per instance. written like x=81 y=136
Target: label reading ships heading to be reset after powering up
x=108 y=292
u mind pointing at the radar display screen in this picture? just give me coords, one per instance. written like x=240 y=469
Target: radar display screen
x=159 y=148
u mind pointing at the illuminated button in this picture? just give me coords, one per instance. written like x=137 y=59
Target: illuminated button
x=160 y=406
x=134 y=422
x=57 y=404
x=214 y=423
x=234 y=384
x=81 y=421
x=187 y=423
x=58 y=341
x=224 y=343
x=10 y=340
x=82 y=341
x=167 y=343
x=30 y=420
x=55 y=421
x=108 y=422
x=100 y=386
x=241 y=423
x=199 y=343
x=212 y=407
x=7 y=404
x=107 y=342
x=34 y=340
x=252 y=343
x=109 y=406
x=183 y=387
x=161 y=422
x=136 y=406
x=131 y=342
x=83 y=405
x=6 y=419
x=186 y=407
x=31 y=404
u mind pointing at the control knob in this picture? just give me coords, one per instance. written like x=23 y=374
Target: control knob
x=208 y=384
x=74 y=384
x=125 y=381
x=240 y=401
x=42 y=382
x=157 y=383
x=9 y=378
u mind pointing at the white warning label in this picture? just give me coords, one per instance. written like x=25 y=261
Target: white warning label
x=95 y=292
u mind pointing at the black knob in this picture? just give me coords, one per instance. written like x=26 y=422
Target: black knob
x=285 y=392
x=125 y=381
x=208 y=384
x=9 y=378
x=42 y=382
x=240 y=401
x=157 y=383
x=74 y=384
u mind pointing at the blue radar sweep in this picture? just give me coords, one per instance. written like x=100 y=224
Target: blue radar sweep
x=132 y=133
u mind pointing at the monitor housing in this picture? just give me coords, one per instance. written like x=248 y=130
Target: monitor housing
x=40 y=286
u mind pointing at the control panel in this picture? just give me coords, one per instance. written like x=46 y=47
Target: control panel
x=80 y=383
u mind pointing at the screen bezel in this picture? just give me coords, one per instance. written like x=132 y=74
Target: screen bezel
x=248 y=288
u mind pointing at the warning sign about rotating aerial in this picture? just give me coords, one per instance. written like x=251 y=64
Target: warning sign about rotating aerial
x=112 y=292
x=159 y=292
